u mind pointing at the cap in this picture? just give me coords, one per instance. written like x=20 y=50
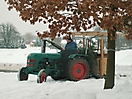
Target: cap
x=70 y=38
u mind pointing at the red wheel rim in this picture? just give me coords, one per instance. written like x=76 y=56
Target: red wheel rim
x=43 y=77
x=25 y=77
x=78 y=71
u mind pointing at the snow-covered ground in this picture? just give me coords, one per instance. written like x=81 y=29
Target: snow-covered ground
x=11 y=88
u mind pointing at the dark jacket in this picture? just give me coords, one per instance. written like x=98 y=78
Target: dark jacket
x=71 y=46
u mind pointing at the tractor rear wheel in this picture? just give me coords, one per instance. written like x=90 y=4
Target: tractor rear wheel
x=77 y=69
x=22 y=75
x=41 y=77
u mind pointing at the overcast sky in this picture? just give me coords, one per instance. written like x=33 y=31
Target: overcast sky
x=13 y=17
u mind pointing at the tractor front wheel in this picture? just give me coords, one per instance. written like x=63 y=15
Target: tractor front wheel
x=22 y=75
x=77 y=69
x=41 y=77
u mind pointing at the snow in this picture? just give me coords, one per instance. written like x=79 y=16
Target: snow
x=11 y=88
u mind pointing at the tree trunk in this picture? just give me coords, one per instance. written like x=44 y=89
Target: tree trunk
x=110 y=72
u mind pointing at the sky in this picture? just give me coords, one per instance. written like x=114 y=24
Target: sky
x=13 y=17
x=11 y=88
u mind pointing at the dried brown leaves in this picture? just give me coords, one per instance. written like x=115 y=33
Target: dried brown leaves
x=64 y=15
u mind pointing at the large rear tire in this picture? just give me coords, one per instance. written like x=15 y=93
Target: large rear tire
x=22 y=75
x=77 y=69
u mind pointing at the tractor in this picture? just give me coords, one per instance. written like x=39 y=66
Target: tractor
x=86 y=63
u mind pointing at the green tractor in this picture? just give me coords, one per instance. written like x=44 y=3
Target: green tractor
x=62 y=64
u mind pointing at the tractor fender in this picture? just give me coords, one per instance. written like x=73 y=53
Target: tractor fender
x=78 y=55
x=84 y=56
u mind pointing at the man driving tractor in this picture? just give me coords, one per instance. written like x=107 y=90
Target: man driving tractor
x=70 y=45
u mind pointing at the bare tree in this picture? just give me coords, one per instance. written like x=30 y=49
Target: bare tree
x=9 y=34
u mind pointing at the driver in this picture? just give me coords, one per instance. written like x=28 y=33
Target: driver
x=70 y=45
